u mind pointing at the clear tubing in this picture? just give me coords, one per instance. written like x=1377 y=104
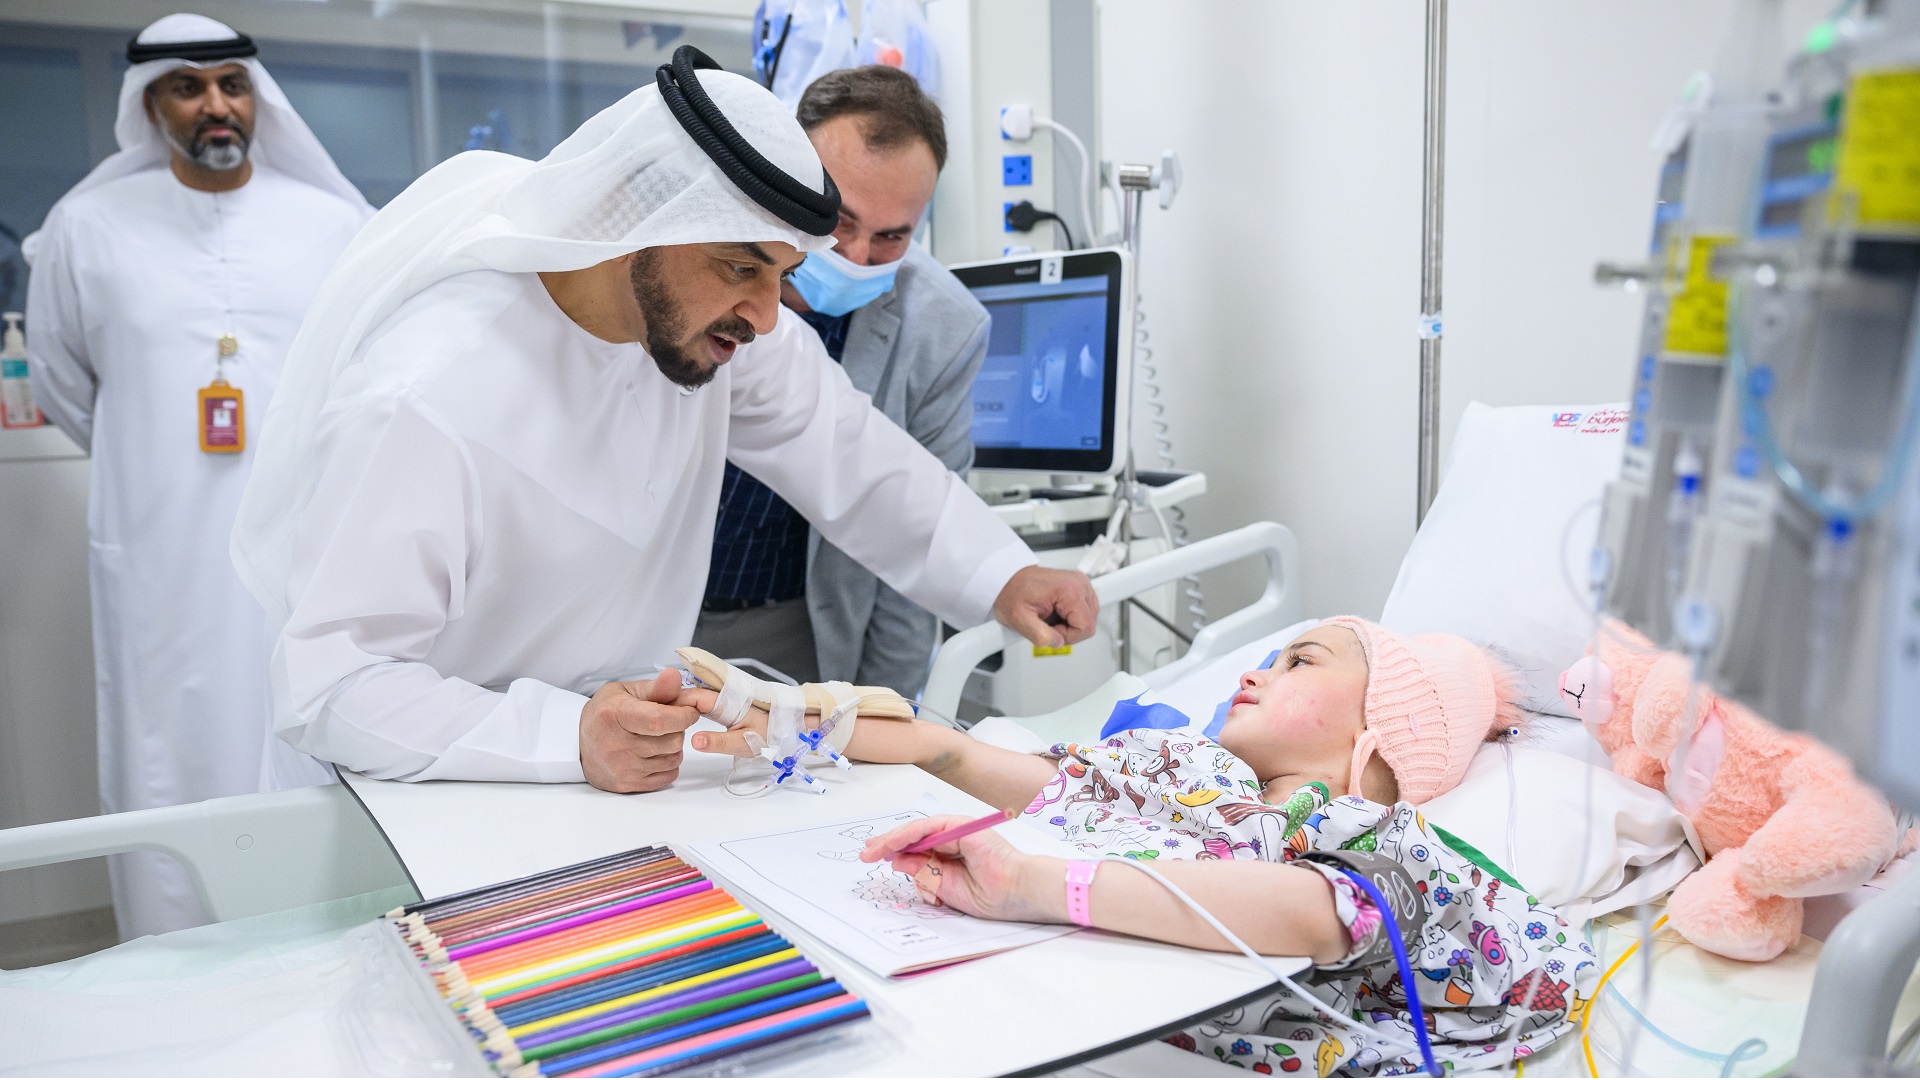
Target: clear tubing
x=1683 y=510
x=1760 y=424
x=1645 y=913
x=1335 y=1018
x=1836 y=561
x=1745 y=1051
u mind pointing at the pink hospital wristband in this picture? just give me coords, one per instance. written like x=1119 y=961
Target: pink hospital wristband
x=1080 y=891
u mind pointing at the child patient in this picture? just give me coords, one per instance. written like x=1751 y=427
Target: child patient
x=1320 y=765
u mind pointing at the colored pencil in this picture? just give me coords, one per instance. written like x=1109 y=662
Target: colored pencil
x=456 y=932
x=634 y=964
x=744 y=975
x=479 y=915
x=646 y=978
x=677 y=1028
x=508 y=888
x=697 y=945
x=647 y=911
x=732 y=1040
x=948 y=836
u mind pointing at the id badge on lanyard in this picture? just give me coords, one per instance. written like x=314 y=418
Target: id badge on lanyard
x=223 y=425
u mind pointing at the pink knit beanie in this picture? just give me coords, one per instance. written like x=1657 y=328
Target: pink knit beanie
x=1432 y=699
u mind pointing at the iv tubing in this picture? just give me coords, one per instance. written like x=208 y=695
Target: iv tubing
x=1746 y=1051
x=1760 y=423
x=1233 y=939
x=1586 y=1044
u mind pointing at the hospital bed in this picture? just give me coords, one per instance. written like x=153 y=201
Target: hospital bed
x=263 y=853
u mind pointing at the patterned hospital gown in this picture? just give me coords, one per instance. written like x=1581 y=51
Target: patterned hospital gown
x=1489 y=958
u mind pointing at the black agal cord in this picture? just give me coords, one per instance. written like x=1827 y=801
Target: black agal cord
x=813 y=212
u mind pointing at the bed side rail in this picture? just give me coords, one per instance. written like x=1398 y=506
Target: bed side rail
x=246 y=855
x=1278 y=607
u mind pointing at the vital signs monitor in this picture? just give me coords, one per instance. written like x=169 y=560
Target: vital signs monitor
x=1052 y=392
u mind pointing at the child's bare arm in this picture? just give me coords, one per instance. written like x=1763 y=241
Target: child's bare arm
x=1278 y=910
x=999 y=777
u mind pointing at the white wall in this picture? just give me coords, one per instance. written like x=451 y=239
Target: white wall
x=1282 y=288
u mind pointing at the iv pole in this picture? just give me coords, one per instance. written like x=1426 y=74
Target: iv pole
x=1432 y=198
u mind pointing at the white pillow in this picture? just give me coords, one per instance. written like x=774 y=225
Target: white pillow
x=1502 y=556
x=1583 y=839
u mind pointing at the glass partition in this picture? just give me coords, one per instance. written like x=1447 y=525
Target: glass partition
x=391 y=88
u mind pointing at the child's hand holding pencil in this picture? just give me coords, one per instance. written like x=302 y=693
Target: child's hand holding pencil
x=958 y=862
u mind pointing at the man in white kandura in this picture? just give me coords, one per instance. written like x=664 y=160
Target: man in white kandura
x=166 y=288
x=487 y=490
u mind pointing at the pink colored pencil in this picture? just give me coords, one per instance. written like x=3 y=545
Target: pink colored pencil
x=949 y=835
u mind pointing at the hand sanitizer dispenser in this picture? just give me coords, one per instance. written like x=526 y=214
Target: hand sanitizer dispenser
x=17 y=409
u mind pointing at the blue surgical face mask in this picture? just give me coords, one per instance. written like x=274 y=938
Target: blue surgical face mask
x=833 y=285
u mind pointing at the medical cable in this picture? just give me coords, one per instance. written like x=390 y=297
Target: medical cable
x=1758 y=422
x=1647 y=928
x=1416 y=1016
x=1086 y=175
x=1324 y=1011
x=1515 y=1033
x=816 y=213
x=767 y=59
x=1586 y=1043
x=1023 y=216
x=1746 y=1051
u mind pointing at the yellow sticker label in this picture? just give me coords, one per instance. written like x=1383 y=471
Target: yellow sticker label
x=1697 y=315
x=1045 y=650
x=1879 y=166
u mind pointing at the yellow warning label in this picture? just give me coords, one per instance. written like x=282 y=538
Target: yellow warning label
x=1879 y=167
x=1048 y=650
x=1697 y=315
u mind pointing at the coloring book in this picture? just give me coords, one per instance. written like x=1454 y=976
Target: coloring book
x=867 y=911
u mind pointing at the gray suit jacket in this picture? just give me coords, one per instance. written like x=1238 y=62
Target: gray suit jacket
x=915 y=351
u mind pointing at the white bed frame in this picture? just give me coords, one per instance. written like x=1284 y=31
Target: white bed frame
x=1277 y=608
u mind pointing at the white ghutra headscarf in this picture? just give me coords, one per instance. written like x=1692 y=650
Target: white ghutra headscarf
x=630 y=178
x=281 y=140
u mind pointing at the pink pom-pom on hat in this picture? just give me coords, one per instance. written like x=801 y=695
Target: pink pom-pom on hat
x=1432 y=700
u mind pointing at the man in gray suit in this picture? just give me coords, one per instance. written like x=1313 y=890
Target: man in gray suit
x=911 y=336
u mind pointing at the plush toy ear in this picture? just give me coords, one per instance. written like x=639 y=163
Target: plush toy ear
x=1587 y=688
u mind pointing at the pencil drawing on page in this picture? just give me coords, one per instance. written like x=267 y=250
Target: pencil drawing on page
x=815 y=877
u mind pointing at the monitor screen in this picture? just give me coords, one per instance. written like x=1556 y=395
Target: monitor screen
x=1044 y=398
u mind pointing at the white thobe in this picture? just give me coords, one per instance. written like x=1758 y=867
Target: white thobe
x=134 y=283
x=528 y=514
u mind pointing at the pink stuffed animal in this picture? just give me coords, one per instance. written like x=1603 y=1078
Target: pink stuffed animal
x=1781 y=816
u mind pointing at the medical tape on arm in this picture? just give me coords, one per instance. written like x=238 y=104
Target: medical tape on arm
x=840 y=719
x=735 y=699
x=786 y=713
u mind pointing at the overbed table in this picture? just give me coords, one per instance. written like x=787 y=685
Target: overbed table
x=1028 y=1011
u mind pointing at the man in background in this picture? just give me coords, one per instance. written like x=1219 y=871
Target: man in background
x=909 y=335
x=166 y=288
